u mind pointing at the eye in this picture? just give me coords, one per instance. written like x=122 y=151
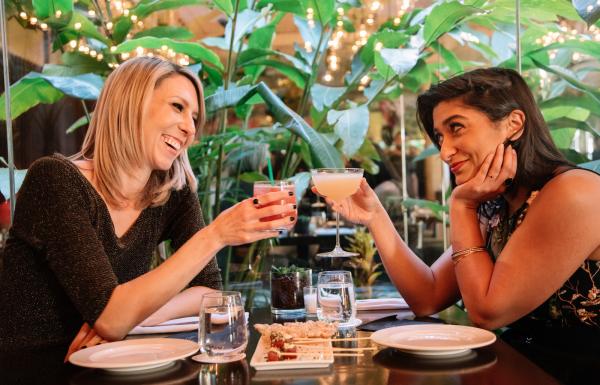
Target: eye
x=454 y=127
x=178 y=106
x=437 y=137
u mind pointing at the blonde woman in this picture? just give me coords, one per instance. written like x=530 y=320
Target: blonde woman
x=85 y=227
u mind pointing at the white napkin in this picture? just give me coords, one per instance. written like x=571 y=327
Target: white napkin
x=176 y=325
x=381 y=304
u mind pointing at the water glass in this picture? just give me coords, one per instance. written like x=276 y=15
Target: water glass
x=263 y=187
x=335 y=295
x=222 y=330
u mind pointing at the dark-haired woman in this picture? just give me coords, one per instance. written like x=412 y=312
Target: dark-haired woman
x=525 y=222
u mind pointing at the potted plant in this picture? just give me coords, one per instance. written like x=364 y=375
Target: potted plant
x=287 y=289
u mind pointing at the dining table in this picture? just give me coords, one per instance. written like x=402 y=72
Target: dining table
x=498 y=363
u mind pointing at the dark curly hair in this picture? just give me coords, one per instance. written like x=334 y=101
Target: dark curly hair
x=497 y=92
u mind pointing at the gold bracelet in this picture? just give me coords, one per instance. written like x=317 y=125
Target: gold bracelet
x=458 y=255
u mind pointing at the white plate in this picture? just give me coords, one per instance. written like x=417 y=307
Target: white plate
x=307 y=358
x=434 y=339
x=134 y=355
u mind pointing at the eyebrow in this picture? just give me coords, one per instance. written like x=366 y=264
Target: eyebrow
x=448 y=120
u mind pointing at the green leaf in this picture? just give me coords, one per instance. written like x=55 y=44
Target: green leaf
x=388 y=38
x=86 y=86
x=289 y=71
x=563 y=137
x=449 y=59
x=445 y=17
x=121 y=29
x=570 y=78
x=289 y=6
x=574 y=156
x=323 y=10
x=323 y=96
x=301 y=182
x=588 y=10
x=401 y=61
x=245 y=58
x=194 y=50
x=323 y=153
x=351 y=126
x=576 y=113
x=225 y=6
x=145 y=8
x=81 y=64
x=435 y=207
x=309 y=34
x=583 y=101
x=177 y=33
x=246 y=21
x=45 y=8
x=5 y=180
x=431 y=150
x=593 y=165
x=28 y=92
x=571 y=123
x=87 y=28
x=77 y=124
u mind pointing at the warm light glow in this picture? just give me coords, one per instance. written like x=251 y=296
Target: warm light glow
x=58 y=14
x=113 y=48
x=327 y=77
x=378 y=46
x=23 y=15
x=109 y=25
x=73 y=43
x=77 y=26
x=125 y=55
x=33 y=20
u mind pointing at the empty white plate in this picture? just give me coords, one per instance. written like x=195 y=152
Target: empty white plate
x=134 y=355
x=434 y=339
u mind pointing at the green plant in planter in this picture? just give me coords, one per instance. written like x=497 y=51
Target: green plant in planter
x=287 y=284
x=366 y=270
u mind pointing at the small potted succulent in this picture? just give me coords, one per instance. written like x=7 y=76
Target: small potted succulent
x=287 y=285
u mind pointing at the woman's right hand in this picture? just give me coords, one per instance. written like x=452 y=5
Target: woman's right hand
x=361 y=207
x=240 y=224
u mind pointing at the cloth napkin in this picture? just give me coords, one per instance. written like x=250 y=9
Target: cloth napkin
x=177 y=325
x=381 y=304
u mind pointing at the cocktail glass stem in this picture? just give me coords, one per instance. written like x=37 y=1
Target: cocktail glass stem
x=337 y=230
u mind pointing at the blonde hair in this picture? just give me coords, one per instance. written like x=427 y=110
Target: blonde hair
x=114 y=138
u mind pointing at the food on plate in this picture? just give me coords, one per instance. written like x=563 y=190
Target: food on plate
x=278 y=339
x=308 y=329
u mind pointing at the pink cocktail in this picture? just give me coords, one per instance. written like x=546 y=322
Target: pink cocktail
x=264 y=187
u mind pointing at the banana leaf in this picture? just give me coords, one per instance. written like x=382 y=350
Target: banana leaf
x=323 y=153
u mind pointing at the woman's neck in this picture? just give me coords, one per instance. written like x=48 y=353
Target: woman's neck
x=132 y=186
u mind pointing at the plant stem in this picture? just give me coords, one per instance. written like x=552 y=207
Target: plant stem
x=87 y=113
x=223 y=125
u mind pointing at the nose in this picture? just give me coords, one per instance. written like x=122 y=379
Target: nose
x=447 y=150
x=188 y=126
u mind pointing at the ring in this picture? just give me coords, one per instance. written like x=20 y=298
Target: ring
x=508 y=182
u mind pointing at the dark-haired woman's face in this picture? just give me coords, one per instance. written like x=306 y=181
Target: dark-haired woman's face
x=466 y=136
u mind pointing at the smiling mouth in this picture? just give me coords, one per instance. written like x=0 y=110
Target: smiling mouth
x=456 y=166
x=175 y=144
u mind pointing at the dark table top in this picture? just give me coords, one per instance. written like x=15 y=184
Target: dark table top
x=498 y=364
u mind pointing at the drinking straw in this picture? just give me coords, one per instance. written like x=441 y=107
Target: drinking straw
x=270 y=168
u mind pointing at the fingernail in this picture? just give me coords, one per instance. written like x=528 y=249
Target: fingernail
x=290 y=193
x=294 y=207
x=255 y=201
x=292 y=219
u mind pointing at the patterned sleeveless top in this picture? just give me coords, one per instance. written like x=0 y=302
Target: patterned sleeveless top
x=576 y=304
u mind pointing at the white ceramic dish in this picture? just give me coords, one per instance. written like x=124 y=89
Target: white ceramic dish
x=434 y=339
x=134 y=355
x=307 y=358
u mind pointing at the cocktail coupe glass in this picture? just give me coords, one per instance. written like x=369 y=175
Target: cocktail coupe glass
x=337 y=184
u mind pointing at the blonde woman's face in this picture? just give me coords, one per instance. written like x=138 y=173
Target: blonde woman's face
x=466 y=136
x=170 y=121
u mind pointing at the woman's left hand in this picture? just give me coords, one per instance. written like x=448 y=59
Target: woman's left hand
x=85 y=338
x=492 y=179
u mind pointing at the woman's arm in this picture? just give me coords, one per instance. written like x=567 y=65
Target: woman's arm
x=146 y=294
x=427 y=290
x=558 y=233
x=184 y=304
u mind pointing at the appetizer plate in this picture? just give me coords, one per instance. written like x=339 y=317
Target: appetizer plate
x=434 y=339
x=315 y=355
x=134 y=355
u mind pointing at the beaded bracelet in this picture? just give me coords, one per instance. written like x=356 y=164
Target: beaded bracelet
x=458 y=255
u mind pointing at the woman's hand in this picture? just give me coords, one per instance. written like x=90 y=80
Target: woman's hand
x=492 y=179
x=241 y=223
x=85 y=338
x=361 y=207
